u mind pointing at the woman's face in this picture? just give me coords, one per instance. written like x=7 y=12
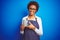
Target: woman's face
x=32 y=9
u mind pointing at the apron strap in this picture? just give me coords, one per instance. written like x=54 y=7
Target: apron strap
x=27 y=19
x=35 y=19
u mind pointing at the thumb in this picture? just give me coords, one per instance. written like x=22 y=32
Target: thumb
x=30 y=22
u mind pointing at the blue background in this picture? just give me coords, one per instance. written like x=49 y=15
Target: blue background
x=12 y=12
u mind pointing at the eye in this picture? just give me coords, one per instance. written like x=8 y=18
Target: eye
x=32 y=8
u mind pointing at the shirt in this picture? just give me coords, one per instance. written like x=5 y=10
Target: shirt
x=38 y=31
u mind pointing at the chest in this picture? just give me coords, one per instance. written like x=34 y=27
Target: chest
x=35 y=23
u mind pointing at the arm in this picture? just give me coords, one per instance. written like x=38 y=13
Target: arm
x=40 y=30
x=22 y=27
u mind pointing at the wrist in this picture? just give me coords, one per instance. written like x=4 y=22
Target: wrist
x=34 y=28
x=23 y=28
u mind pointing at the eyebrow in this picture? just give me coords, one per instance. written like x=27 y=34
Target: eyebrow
x=32 y=8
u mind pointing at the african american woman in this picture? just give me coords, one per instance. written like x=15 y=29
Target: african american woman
x=31 y=27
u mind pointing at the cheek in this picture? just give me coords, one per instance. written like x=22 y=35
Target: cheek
x=32 y=11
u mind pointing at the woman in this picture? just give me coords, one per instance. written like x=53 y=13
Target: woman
x=31 y=27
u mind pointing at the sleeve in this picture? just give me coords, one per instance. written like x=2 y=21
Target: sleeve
x=22 y=32
x=40 y=30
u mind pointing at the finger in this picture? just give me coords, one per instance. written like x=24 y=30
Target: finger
x=29 y=25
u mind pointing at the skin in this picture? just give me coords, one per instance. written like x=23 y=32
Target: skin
x=32 y=11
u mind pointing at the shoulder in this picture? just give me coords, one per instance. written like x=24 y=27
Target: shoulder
x=38 y=18
x=24 y=18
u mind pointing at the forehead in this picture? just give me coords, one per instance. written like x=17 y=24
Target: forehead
x=32 y=6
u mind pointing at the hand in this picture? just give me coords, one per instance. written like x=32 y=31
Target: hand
x=31 y=26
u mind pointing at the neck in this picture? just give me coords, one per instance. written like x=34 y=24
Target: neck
x=31 y=16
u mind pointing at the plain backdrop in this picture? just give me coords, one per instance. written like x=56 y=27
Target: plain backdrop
x=12 y=12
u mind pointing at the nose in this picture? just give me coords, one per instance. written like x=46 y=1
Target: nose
x=31 y=10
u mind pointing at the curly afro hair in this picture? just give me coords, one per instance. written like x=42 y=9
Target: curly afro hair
x=33 y=3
